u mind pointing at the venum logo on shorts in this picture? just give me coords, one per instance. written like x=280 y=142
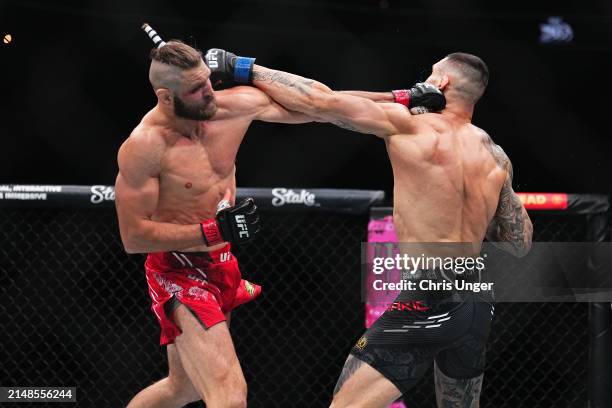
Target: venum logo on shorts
x=241 y=224
x=282 y=196
x=102 y=193
x=361 y=343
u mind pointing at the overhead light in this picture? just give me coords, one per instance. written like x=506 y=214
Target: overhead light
x=555 y=30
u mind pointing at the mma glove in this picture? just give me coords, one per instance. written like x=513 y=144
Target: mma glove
x=227 y=68
x=237 y=224
x=421 y=95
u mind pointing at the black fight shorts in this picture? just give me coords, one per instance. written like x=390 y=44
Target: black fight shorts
x=405 y=340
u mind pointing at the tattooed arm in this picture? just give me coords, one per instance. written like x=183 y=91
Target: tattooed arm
x=511 y=229
x=342 y=109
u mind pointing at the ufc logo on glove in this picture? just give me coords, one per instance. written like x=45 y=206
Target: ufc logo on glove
x=231 y=224
x=212 y=61
x=241 y=224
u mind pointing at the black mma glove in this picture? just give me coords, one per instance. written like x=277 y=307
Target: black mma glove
x=227 y=68
x=237 y=224
x=421 y=94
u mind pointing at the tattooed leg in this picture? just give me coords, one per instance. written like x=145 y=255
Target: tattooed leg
x=457 y=393
x=350 y=366
x=360 y=385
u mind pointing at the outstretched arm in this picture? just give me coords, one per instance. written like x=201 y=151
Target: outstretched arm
x=249 y=102
x=373 y=96
x=315 y=99
x=511 y=229
x=398 y=96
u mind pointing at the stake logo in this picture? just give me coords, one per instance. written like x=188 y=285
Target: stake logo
x=282 y=196
x=102 y=193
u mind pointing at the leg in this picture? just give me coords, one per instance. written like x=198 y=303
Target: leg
x=360 y=385
x=175 y=390
x=386 y=362
x=210 y=361
x=457 y=393
x=459 y=370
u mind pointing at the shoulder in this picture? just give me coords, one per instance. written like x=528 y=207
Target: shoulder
x=409 y=123
x=145 y=140
x=143 y=150
x=498 y=153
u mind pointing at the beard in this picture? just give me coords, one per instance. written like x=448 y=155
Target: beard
x=203 y=111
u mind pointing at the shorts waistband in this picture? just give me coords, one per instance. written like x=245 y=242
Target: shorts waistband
x=189 y=260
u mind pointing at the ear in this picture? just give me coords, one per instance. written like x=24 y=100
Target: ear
x=164 y=96
x=444 y=81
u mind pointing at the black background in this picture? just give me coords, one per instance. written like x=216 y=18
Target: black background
x=74 y=83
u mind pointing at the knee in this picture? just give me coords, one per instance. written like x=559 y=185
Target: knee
x=338 y=404
x=182 y=390
x=237 y=401
x=228 y=393
x=343 y=403
x=236 y=397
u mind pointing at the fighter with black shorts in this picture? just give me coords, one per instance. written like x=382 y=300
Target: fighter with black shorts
x=451 y=331
x=451 y=184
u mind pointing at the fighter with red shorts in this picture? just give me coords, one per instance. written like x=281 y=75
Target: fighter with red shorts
x=175 y=168
x=208 y=283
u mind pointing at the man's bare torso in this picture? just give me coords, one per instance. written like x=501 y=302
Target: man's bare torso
x=195 y=172
x=447 y=183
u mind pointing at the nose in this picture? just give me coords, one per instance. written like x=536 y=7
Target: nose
x=208 y=87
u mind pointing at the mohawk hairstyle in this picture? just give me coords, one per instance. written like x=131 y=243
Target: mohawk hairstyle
x=177 y=54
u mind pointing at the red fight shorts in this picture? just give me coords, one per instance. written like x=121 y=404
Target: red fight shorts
x=208 y=283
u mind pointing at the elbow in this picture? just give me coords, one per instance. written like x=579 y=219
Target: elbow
x=131 y=249
x=132 y=241
x=523 y=248
x=527 y=239
x=321 y=101
x=130 y=246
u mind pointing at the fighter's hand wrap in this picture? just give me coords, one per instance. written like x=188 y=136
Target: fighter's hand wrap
x=226 y=67
x=237 y=224
x=421 y=94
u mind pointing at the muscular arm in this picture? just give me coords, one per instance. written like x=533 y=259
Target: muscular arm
x=373 y=96
x=342 y=109
x=250 y=102
x=136 y=196
x=511 y=229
